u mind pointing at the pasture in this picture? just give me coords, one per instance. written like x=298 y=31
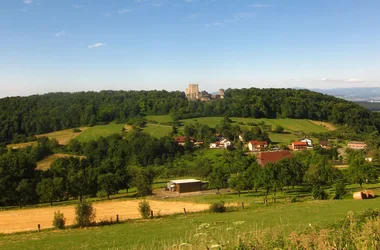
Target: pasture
x=157 y=130
x=98 y=131
x=162 y=233
x=63 y=136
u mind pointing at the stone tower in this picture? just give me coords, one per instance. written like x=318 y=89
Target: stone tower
x=192 y=92
x=221 y=93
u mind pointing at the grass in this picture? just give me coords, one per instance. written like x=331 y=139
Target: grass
x=157 y=130
x=98 y=131
x=46 y=163
x=159 y=118
x=291 y=125
x=158 y=233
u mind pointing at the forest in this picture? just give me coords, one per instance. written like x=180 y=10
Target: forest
x=23 y=117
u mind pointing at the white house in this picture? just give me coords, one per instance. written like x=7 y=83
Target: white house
x=308 y=141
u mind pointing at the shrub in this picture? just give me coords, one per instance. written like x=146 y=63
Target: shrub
x=319 y=193
x=340 y=190
x=218 y=207
x=293 y=199
x=84 y=213
x=144 y=209
x=59 y=220
x=279 y=129
x=77 y=130
x=143 y=185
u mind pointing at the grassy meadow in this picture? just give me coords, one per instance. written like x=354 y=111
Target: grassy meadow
x=98 y=131
x=162 y=233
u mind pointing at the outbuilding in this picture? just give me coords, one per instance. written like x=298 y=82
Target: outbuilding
x=187 y=185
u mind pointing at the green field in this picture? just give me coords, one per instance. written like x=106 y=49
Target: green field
x=162 y=233
x=157 y=130
x=159 y=118
x=290 y=125
x=98 y=131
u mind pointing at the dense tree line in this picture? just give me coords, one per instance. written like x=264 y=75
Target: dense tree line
x=23 y=117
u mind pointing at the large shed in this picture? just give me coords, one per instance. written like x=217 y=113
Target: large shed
x=186 y=186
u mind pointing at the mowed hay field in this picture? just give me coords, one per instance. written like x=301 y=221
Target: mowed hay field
x=162 y=233
x=64 y=136
x=46 y=163
x=27 y=219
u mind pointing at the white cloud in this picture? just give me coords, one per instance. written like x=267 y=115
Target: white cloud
x=354 y=80
x=349 y=80
x=260 y=5
x=96 y=45
x=124 y=11
x=61 y=33
x=213 y=24
x=28 y=1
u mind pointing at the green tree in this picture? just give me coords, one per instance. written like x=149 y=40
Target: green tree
x=25 y=192
x=107 y=183
x=143 y=185
x=219 y=177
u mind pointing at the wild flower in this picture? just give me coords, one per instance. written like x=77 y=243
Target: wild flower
x=237 y=223
x=203 y=226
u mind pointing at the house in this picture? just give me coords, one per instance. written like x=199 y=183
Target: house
x=299 y=145
x=270 y=157
x=324 y=144
x=257 y=145
x=357 y=145
x=186 y=186
x=180 y=140
x=308 y=141
x=224 y=143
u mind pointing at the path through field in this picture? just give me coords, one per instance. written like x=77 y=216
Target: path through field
x=27 y=219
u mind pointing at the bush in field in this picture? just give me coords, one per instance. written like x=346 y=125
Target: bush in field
x=84 y=213
x=218 y=207
x=340 y=190
x=59 y=220
x=144 y=209
x=293 y=199
x=319 y=193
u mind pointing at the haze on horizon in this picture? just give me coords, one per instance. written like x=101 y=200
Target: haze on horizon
x=81 y=45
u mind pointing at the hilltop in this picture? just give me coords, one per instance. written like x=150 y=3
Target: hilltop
x=23 y=117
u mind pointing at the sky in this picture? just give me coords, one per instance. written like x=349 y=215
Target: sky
x=82 y=45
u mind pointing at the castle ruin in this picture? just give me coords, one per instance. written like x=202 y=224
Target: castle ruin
x=193 y=94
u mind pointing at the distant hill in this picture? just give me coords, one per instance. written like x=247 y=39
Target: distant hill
x=22 y=117
x=353 y=94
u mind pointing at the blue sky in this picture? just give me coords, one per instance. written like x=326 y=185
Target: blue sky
x=75 y=45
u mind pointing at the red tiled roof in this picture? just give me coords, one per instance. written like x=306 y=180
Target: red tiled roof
x=267 y=157
x=300 y=143
x=181 y=139
x=259 y=142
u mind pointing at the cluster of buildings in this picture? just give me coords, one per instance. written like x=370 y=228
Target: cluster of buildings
x=192 y=93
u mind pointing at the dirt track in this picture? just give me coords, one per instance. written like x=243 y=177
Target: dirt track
x=27 y=219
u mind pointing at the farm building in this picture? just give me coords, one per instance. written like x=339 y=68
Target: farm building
x=270 y=157
x=357 y=145
x=186 y=186
x=298 y=145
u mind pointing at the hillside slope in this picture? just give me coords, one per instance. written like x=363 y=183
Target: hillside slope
x=21 y=117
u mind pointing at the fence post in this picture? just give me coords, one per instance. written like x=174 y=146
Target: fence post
x=184 y=211
x=39 y=228
x=242 y=205
x=117 y=218
x=151 y=214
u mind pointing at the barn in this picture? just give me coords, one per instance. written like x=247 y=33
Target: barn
x=186 y=186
